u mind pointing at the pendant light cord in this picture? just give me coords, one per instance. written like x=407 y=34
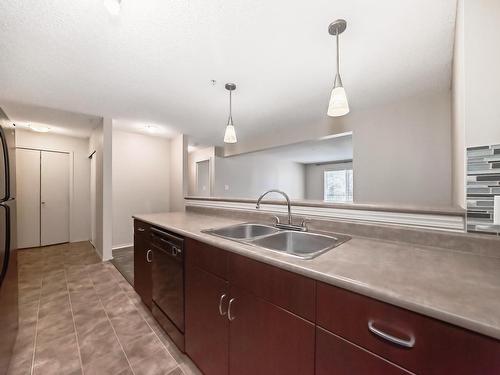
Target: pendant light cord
x=338 y=54
x=230 y=119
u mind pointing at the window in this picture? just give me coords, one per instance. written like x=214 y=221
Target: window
x=338 y=186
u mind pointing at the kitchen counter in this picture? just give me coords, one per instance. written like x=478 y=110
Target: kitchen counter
x=455 y=287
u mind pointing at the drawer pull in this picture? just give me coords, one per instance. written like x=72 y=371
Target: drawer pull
x=222 y=298
x=229 y=316
x=141 y=229
x=149 y=259
x=401 y=342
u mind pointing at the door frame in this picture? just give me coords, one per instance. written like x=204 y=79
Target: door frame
x=71 y=183
x=209 y=175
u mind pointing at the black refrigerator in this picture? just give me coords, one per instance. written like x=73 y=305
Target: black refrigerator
x=8 y=253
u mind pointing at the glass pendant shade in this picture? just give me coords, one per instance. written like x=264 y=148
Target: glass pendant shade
x=338 y=106
x=230 y=135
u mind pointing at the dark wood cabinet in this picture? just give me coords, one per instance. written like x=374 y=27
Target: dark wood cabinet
x=293 y=292
x=266 y=339
x=232 y=326
x=244 y=317
x=207 y=340
x=206 y=257
x=143 y=284
x=437 y=347
x=336 y=356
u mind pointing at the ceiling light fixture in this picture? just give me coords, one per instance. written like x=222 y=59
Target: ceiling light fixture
x=230 y=134
x=151 y=129
x=113 y=6
x=338 y=105
x=39 y=128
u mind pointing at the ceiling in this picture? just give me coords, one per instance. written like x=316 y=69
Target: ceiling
x=60 y=122
x=155 y=62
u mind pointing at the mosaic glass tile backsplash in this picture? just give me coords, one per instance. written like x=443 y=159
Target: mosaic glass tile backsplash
x=483 y=183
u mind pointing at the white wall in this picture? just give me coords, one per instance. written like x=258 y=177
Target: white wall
x=402 y=150
x=96 y=144
x=249 y=175
x=79 y=170
x=458 y=111
x=141 y=180
x=482 y=74
x=101 y=142
x=178 y=172
x=107 y=186
x=315 y=173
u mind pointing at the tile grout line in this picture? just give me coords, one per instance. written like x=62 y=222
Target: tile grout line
x=37 y=318
x=151 y=328
x=111 y=323
x=73 y=319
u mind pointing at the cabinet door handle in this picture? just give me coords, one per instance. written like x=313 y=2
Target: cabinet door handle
x=149 y=257
x=222 y=298
x=395 y=340
x=229 y=316
x=141 y=229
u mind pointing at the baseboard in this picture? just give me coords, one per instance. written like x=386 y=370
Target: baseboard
x=118 y=247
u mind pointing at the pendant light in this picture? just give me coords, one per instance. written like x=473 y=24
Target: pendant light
x=338 y=105
x=230 y=134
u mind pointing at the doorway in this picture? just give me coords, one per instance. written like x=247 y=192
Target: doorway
x=43 y=182
x=203 y=178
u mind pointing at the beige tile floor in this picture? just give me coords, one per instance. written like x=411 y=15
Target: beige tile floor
x=78 y=315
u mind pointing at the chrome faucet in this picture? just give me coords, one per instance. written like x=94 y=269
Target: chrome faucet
x=290 y=225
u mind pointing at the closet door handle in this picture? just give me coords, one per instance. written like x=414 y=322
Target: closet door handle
x=229 y=316
x=149 y=257
x=221 y=300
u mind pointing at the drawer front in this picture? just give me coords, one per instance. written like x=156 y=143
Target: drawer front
x=143 y=283
x=288 y=290
x=335 y=355
x=141 y=228
x=425 y=345
x=206 y=257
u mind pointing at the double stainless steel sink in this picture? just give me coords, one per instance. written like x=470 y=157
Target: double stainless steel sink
x=305 y=245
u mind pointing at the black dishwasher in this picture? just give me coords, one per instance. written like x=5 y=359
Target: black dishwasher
x=168 y=283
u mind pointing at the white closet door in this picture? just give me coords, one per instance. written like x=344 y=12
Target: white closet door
x=28 y=198
x=54 y=193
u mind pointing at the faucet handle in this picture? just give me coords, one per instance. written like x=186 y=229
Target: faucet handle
x=276 y=220
x=304 y=222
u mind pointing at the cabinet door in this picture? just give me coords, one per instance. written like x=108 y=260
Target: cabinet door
x=336 y=356
x=206 y=330
x=265 y=339
x=143 y=284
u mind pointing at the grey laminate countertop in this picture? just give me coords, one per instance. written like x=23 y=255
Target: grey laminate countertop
x=459 y=288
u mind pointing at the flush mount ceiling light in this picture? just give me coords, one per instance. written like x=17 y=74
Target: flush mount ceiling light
x=39 y=128
x=151 y=129
x=230 y=134
x=338 y=105
x=113 y=6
